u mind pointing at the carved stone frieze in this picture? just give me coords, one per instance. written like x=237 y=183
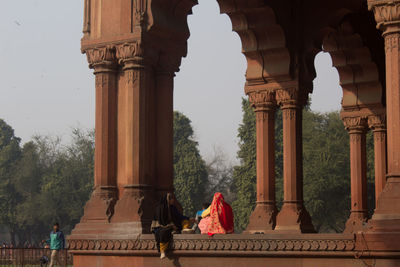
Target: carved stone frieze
x=214 y=244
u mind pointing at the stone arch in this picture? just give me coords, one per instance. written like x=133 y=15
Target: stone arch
x=359 y=74
x=263 y=40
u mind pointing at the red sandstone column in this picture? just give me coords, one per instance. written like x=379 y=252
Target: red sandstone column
x=378 y=126
x=293 y=216
x=101 y=204
x=357 y=128
x=164 y=90
x=135 y=204
x=387 y=213
x=263 y=218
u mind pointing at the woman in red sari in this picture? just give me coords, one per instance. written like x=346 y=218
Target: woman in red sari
x=218 y=218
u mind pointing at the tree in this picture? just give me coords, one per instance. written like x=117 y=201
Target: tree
x=28 y=184
x=326 y=170
x=10 y=153
x=190 y=174
x=68 y=178
x=220 y=172
x=244 y=175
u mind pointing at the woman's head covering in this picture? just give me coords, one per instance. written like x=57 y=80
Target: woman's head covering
x=221 y=216
x=163 y=212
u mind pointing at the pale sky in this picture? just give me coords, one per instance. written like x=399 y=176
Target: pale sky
x=46 y=86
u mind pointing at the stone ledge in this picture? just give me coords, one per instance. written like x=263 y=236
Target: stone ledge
x=263 y=243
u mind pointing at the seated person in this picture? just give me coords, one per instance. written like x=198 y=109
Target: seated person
x=198 y=216
x=166 y=220
x=217 y=218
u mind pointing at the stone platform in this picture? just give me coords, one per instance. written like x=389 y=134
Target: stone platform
x=231 y=250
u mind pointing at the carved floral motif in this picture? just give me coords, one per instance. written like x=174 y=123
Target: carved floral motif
x=287 y=96
x=101 y=80
x=355 y=122
x=129 y=50
x=385 y=11
x=139 y=12
x=289 y=114
x=377 y=121
x=380 y=136
x=262 y=98
x=100 y=54
x=392 y=42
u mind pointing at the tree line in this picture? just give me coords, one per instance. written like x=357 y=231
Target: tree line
x=44 y=180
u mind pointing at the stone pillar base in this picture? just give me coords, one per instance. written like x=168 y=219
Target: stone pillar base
x=263 y=219
x=100 y=207
x=294 y=218
x=136 y=205
x=357 y=222
x=381 y=242
x=387 y=213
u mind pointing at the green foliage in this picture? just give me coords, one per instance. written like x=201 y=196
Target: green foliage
x=10 y=153
x=190 y=174
x=244 y=175
x=43 y=182
x=326 y=170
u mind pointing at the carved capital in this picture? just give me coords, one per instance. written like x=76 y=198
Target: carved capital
x=101 y=57
x=130 y=53
x=387 y=14
x=287 y=97
x=355 y=124
x=377 y=122
x=263 y=100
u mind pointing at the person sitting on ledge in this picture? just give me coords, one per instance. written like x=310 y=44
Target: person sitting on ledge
x=198 y=216
x=166 y=220
x=217 y=218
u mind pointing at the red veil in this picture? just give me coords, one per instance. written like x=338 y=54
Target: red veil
x=221 y=216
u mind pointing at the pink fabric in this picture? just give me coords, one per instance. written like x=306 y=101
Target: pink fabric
x=203 y=225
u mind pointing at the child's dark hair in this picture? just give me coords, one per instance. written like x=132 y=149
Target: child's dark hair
x=56 y=224
x=205 y=205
